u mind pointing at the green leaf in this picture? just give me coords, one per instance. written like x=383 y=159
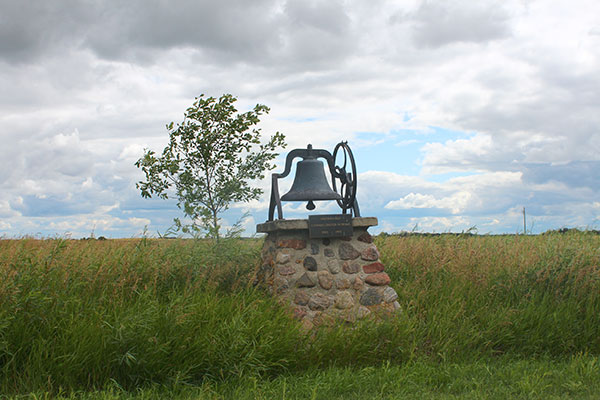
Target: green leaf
x=211 y=158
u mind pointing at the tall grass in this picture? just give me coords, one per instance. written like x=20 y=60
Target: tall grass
x=81 y=315
x=473 y=295
x=85 y=314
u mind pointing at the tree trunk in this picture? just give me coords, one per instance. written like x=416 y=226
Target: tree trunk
x=215 y=225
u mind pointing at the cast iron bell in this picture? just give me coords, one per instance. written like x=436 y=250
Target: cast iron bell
x=310 y=184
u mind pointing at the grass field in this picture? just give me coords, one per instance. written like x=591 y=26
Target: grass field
x=483 y=317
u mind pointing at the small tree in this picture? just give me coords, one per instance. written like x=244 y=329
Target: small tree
x=209 y=162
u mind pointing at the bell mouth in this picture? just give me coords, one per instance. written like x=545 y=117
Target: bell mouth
x=310 y=195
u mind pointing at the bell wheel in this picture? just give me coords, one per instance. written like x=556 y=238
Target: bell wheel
x=344 y=177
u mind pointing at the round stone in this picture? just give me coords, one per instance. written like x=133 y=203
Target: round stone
x=389 y=295
x=286 y=270
x=328 y=253
x=306 y=280
x=333 y=266
x=346 y=315
x=310 y=263
x=373 y=268
x=325 y=279
x=348 y=252
x=362 y=312
x=297 y=244
x=371 y=297
x=314 y=248
x=370 y=254
x=299 y=313
x=301 y=298
x=379 y=279
x=358 y=284
x=350 y=268
x=342 y=283
x=280 y=285
x=365 y=237
x=343 y=300
x=323 y=319
x=319 y=302
x=282 y=258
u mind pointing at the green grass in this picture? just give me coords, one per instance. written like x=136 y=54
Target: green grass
x=482 y=317
x=503 y=378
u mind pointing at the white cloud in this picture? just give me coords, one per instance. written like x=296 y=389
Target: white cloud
x=513 y=85
x=138 y=221
x=457 y=155
x=456 y=203
x=253 y=205
x=441 y=224
x=441 y=23
x=88 y=183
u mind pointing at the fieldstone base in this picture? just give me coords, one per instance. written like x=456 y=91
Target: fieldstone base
x=325 y=280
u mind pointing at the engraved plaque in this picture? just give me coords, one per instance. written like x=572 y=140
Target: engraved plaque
x=329 y=226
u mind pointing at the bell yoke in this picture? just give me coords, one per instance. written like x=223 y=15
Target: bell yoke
x=310 y=183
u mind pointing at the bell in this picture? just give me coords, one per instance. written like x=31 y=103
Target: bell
x=310 y=184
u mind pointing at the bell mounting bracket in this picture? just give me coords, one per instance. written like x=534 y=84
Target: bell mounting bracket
x=343 y=178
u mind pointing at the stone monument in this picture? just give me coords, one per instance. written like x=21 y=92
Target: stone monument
x=326 y=267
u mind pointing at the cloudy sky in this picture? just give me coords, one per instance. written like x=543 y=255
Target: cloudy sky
x=459 y=113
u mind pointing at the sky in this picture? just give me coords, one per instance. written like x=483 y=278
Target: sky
x=460 y=114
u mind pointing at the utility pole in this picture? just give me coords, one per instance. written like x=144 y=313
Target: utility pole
x=524 y=223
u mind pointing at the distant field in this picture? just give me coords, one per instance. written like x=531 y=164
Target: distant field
x=483 y=317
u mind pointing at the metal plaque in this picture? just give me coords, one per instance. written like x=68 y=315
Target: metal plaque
x=329 y=226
